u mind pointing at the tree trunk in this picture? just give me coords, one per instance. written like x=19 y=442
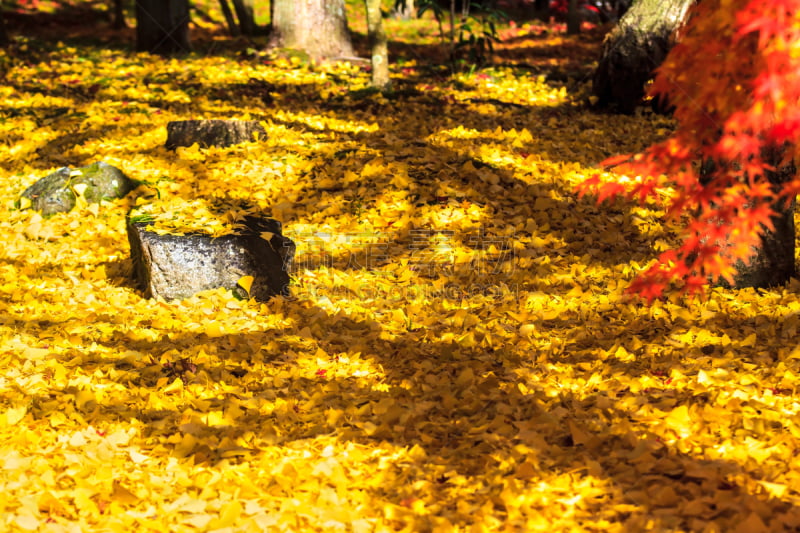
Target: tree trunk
x=3 y=33
x=774 y=261
x=244 y=12
x=118 y=21
x=229 y=20
x=632 y=51
x=317 y=27
x=162 y=26
x=541 y=9
x=404 y=9
x=573 y=18
x=378 y=44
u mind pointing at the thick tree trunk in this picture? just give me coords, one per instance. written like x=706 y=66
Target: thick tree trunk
x=378 y=44
x=774 y=261
x=317 y=27
x=162 y=26
x=541 y=9
x=632 y=51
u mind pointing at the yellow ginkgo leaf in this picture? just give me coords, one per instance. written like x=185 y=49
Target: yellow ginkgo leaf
x=245 y=282
x=214 y=329
x=24 y=202
x=15 y=414
x=137 y=458
x=175 y=386
x=79 y=188
x=122 y=495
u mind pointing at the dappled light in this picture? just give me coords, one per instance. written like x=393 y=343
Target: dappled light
x=458 y=351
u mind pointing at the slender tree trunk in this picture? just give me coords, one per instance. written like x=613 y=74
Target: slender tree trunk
x=404 y=10
x=271 y=13
x=378 y=44
x=244 y=12
x=632 y=51
x=317 y=27
x=573 y=18
x=452 y=26
x=3 y=33
x=118 y=20
x=162 y=26
x=233 y=28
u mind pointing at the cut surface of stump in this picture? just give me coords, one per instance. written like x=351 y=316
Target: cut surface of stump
x=56 y=192
x=178 y=266
x=219 y=133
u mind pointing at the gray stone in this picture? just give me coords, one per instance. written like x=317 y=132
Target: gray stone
x=55 y=193
x=178 y=266
x=207 y=133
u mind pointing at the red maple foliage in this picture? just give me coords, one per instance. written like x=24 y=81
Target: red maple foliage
x=734 y=82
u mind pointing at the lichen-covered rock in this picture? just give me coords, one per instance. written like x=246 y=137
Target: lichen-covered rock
x=207 y=133
x=178 y=266
x=56 y=192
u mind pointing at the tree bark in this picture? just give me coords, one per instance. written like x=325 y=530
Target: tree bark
x=573 y=18
x=118 y=20
x=541 y=9
x=404 y=9
x=233 y=28
x=632 y=51
x=317 y=27
x=213 y=132
x=3 y=33
x=774 y=261
x=244 y=12
x=162 y=26
x=378 y=44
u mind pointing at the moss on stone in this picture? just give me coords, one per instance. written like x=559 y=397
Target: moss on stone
x=55 y=193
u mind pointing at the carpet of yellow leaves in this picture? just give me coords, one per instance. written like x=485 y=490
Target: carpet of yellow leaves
x=457 y=354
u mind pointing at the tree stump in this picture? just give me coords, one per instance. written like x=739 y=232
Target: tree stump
x=178 y=266
x=632 y=51
x=207 y=133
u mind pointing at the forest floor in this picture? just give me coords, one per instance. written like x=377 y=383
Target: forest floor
x=458 y=352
